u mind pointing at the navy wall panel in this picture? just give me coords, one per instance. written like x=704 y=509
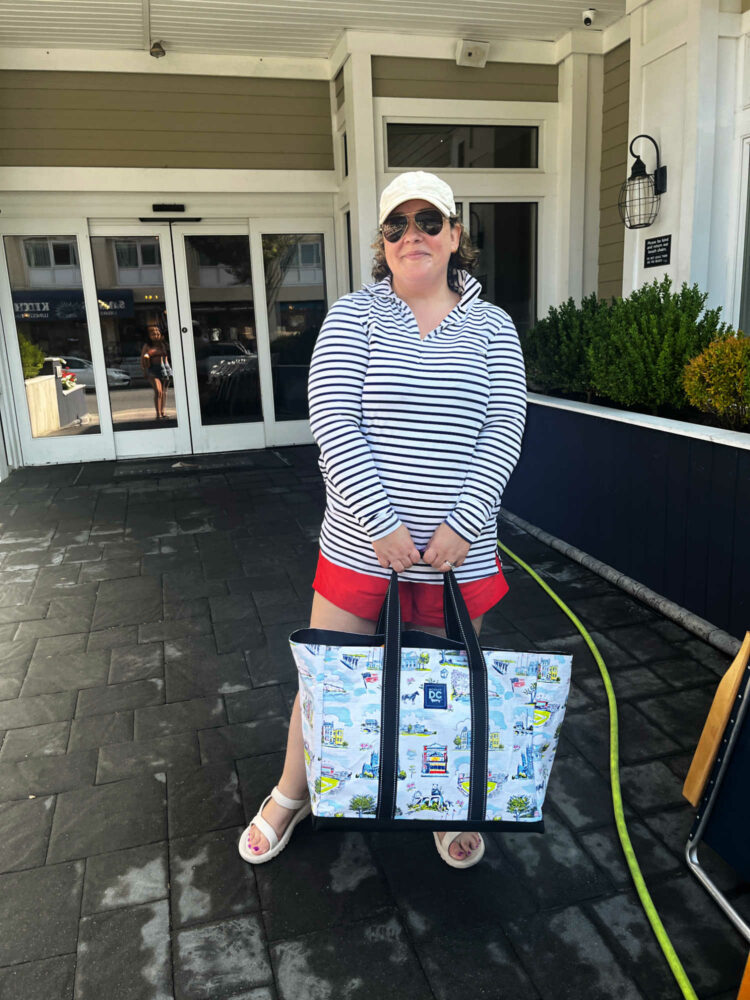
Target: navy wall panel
x=668 y=510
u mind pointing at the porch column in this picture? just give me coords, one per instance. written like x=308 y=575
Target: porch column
x=360 y=133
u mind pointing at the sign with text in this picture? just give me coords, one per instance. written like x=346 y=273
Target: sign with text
x=658 y=251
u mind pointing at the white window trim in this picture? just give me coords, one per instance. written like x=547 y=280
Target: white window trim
x=499 y=184
x=425 y=111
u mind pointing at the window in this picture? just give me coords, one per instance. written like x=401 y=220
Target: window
x=137 y=253
x=51 y=253
x=477 y=147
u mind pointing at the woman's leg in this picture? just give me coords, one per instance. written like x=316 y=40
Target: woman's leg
x=462 y=846
x=293 y=781
x=155 y=385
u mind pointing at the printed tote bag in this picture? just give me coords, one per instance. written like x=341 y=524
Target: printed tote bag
x=403 y=729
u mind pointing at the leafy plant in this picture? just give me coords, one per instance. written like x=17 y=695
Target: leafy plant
x=556 y=349
x=32 y=357
x=649 y=337
x=717 y=381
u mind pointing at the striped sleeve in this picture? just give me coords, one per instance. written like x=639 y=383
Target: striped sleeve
x=498 y=445
x=337 y=373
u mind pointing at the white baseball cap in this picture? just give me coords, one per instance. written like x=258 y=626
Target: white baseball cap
x=416 y=184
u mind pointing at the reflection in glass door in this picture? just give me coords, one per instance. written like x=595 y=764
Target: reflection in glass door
x=222 y=318
x=134 y=329
x=296 y=304
x=57 y=371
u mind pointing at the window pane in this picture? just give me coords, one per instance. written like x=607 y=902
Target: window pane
x=150 y=252
x=37 y=253
x=505 y=235
x=51 y=327
x=297 y=304
x=480 y=147
x=223 y=317
x=127 y=254
x=64 y=253
x=133 y=318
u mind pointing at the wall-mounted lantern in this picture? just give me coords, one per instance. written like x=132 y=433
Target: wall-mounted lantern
x=639 y=195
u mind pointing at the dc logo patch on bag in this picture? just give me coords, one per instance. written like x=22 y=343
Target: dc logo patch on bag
x=435 y=696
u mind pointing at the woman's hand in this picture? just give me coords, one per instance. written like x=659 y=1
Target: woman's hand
x=445 y=546
x=396 y=550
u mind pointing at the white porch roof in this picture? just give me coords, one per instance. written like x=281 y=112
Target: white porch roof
x=306 y=28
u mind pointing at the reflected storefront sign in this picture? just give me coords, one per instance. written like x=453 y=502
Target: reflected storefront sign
x=67 y=304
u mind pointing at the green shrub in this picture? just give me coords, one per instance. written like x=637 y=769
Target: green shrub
x=32 y=357
x=649 y=338
x=718 y=381
x=556 y=349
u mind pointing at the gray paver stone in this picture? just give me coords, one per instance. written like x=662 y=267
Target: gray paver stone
x=46 y=740
x=567 y=958
x=109 y=698
x=125 y=954
x=24 y=831
x=124 y=760
x=209 y=879
x=39 y=912
x=320 y=965
x=48 y=979
x=219 y=959
x=125 y=878
x=105 y=818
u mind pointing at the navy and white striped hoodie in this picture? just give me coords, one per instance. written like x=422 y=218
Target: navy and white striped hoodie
x=414 y=431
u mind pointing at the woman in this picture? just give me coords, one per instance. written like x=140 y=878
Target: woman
x=417 y=401
x=156 y=368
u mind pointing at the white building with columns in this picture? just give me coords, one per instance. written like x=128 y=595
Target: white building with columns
x=225 y=193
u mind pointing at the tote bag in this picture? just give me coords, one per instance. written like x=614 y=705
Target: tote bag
x=403 y=729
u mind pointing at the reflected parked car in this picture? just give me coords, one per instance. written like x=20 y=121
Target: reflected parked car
x=217 y=358
x=83 y=370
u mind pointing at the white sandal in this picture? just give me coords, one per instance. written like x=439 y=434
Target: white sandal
x=277 y=844
x=476 y=855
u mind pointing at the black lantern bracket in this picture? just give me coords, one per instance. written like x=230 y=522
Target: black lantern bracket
x=639 y=168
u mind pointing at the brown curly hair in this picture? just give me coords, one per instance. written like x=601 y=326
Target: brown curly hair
x=463 y=259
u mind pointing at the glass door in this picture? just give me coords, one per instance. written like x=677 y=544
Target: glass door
x=140 y=335
x=505 y=234
x=56 y=364
x=296 y=260
x=219 y=331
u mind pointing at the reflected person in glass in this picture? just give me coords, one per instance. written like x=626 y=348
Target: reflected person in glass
x=417 y=399
x=156 y=368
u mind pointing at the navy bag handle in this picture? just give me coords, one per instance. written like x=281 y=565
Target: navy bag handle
x=458 y=628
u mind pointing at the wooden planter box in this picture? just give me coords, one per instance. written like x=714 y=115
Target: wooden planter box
x=665 y=502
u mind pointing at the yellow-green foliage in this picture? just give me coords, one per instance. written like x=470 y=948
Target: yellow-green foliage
x=717 y=381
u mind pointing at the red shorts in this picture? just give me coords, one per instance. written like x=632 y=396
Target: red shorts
x=421 y=603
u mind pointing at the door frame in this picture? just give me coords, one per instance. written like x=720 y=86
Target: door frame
x=56 y=450
x=157 y=441
x=212 y=438
x=285 y=432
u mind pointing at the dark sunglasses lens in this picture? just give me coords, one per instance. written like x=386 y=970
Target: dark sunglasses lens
x=430 y=222
x=394 y=227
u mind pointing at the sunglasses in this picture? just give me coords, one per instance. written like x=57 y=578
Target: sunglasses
x=429 y=221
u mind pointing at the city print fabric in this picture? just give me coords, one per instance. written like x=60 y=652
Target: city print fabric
x=340 y=697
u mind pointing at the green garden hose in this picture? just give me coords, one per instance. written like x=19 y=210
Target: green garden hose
x=614 y=770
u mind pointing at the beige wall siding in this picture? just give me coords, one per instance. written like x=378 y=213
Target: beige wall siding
x=140 y=120
x=442 y=78
x=614 y=169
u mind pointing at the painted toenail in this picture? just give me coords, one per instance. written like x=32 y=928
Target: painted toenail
x=256 y=848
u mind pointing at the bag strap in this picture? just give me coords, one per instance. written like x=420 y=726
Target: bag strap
x=390 y=700
x=458 y=626
x=480 y=710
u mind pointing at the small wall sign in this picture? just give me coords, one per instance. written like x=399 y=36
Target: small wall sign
x=658 y=251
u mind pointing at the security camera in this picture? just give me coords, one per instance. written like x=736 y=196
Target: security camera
x=588 y=17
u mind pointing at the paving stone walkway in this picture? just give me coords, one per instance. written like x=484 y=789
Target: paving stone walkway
x=145 y=683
